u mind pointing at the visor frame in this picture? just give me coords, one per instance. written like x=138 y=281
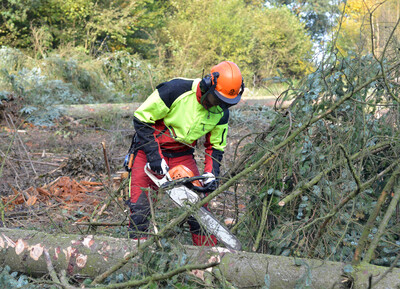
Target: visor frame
x=228 y=101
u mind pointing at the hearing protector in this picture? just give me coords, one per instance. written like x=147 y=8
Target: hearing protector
x=207 y=82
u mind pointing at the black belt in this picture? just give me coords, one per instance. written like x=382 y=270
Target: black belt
x=173 y=154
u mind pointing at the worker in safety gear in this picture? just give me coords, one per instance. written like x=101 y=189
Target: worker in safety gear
x=168 y=125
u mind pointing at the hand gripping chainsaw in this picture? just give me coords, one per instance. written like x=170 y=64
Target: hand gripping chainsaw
x=180 y=183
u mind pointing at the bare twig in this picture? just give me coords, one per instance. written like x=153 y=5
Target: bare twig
x=382 y=226
x=50 y=267
x=103 y=144
x=22 y=144
x=36 y=162
x=101 y=224
x=336 y=209
x=4 y=206
x=367 y=228
x=111 y=197
x=64 y=280
x=153 y=218
x=5 y=158
x=159 y=277
x=318 y=177
x=352 y=169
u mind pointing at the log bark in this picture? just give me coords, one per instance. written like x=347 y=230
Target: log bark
x=78 y=255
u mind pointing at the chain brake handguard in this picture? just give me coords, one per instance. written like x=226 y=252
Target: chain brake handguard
x=187 y=182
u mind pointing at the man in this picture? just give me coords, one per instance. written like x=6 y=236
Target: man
x=168 y=125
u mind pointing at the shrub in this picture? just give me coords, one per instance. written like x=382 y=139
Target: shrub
x=73 y=78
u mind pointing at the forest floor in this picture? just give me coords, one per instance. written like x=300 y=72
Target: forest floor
x=56 y=178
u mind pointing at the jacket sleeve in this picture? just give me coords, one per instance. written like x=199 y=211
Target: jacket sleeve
x=215 y=144
x=153 y=109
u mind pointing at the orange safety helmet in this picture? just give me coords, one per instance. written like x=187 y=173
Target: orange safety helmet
x=225 y=82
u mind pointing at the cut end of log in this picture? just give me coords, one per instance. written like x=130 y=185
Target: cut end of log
x=281 y=203
x=88 y=241
x=20 y=246
x=81 y=260
x=36 y=252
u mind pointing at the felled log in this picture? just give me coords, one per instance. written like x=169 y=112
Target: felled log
x=78 y=111
x=24 y=251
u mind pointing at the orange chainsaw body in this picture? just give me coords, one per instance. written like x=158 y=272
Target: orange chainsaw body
x=181 y=171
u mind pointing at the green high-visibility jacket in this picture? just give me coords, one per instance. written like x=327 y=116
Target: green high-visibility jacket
x=172 y=119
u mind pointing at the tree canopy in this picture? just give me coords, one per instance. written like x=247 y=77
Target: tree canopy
x=184 y=36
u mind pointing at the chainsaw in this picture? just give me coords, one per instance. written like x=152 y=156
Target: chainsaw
x=181 y=186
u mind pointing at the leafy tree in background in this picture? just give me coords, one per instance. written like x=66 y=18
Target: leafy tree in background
x=258 y=40
x=176 y=37
x=15 y=17
x=280 y=43
x=142 y=40
x=92 y=25
x=318 y=15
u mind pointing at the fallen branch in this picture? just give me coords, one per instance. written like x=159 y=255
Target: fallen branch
x=382 y=226
x=338 y=207
x=101 y=224
x=370 y=150
x=160 y=277
x=89 y=256
x=371 y=220
x=50 y=267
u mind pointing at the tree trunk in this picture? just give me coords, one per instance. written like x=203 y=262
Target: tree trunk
x=23 y=251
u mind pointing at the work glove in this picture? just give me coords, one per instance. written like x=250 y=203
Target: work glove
x=210 y=183
x=159 y=166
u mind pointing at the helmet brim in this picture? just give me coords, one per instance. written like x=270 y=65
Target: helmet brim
x=227 y=100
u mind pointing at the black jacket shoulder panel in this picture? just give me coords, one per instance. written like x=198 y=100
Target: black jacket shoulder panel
x=169 y=91
x=225 y=117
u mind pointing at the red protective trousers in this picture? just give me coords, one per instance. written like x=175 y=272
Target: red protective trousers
x=140 y=206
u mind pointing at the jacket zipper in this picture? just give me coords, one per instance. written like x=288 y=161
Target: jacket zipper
x=222 y=136
x=173 y=131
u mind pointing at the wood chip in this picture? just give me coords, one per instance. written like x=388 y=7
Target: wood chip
x=87 y=183
x=31 y=201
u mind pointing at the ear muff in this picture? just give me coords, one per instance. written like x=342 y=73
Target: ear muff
x=208 y=82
